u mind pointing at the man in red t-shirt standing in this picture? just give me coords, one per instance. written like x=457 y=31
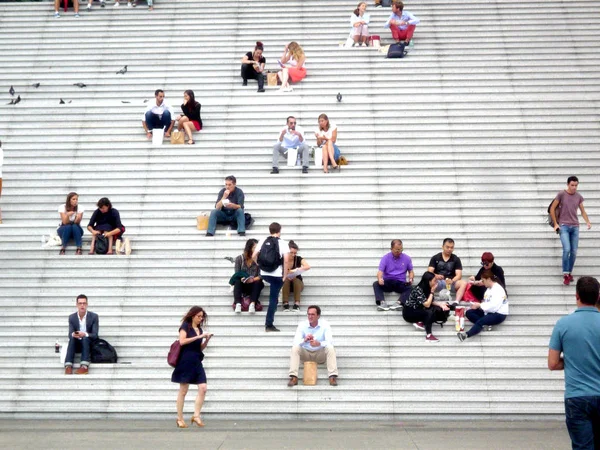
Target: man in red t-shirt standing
x=566 y=223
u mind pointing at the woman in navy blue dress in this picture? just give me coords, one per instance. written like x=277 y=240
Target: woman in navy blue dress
x=189 y=368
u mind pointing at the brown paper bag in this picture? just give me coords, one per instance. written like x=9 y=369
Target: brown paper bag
x=310 y=373
x=202 y=222
x=177 y=137
x=272 y=79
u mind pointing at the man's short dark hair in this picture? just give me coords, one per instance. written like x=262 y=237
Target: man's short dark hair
x=394 y=242
x=231 y=178
x=448 y=241
x=588 y=290
x=288 y=119
x=398 y=4
x=81 y=296
x=274 y=228
x=315 y=307
x=158 y=91
x=104 y=202
x=572 y=178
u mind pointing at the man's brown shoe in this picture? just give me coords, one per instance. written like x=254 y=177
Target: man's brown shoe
x=293 y=381
x=333 y=381
x=68 y=370
x=83 y=370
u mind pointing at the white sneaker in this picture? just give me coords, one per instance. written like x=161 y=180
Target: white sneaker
x=238 y=308
x=396 y=306
x=102 y=4
x=89 y=7
x=129 y=5
x=116 y=5
x=252 y=308
x=383 y=306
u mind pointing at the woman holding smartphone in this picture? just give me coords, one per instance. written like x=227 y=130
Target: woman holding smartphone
x=251 y=284
x=292 y=66
x=189 y=368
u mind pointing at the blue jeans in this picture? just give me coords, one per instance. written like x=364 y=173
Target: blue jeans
x=276 y=284
x=66 y=232
x=156 y=121
x=397 y=286
x=569 y=238
x=218 y=216
x=78 y=345
x=583 y=422
x=481 y=319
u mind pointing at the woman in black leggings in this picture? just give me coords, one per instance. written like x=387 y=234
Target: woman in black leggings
x=420 y=310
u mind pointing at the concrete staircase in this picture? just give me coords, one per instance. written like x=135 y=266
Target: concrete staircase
x=470 y=136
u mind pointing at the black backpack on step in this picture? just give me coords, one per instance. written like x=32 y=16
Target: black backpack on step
x=269 y=258
x=103 y=352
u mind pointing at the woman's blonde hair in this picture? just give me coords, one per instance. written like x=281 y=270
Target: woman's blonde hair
x=295 y=50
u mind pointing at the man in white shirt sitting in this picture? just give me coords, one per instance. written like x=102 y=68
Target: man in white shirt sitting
x=158 y=115
x=313 y=342
x=291 y=136
x=83 y=330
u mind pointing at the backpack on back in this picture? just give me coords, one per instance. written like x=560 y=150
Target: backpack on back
x=103 y=352
x=549 y=220
x=269 y=258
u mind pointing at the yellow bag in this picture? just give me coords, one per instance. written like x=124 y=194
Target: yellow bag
x=342 y=161
x=272 y=79
x=177 y=137
x=202 y=222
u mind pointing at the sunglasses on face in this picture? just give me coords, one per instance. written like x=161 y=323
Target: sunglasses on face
x=483 y=263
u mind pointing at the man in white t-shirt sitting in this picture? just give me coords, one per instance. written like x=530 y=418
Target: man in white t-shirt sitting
x=291 y=136
x=272 y=258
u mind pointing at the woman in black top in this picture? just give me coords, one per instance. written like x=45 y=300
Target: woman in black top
x=253 y=66
x=419 y=308
x=189 y=368
x=190 y=119
x=251 y=284
x=487 y=263
x=295 y=284
x=106 y=221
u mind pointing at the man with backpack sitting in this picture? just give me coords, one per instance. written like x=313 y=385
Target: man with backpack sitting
x=83 y=330
x=273 y=260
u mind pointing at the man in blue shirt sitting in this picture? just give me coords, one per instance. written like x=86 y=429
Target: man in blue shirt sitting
x=313 y=342
x=291 y=136
x=577 y=336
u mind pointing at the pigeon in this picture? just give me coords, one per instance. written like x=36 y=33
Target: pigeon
x=146 y=101
x=18 y=99
x=12 y=102
x=81 y=85
x=11 y=91
x=339 y=97
x=124 y=101
x=36 y=85
x=122 y=71
x=62 y=102
x=230 y=259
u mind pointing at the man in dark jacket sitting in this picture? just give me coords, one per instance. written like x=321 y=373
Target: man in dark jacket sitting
x=83 y=330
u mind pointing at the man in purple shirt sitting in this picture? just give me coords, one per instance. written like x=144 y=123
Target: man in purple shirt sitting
x=391 y=276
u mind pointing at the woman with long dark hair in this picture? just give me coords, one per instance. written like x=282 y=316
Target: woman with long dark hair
x=189 y=368
x=253 y=66
x=190 y=119
x=326 y=136
x=70 y=222
x=419 y=308
x=249 y=284
x=295 y=284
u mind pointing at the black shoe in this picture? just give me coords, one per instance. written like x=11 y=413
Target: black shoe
x=242 y=233
x=286 y=307
x=245 y=83
x=296 y=308
x=261 y=90
x=274 y=171
x=271 y=328
x=209 y=235
x=305 y=170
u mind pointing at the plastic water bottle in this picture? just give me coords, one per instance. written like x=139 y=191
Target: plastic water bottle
x=228 y=232
x=411 y=46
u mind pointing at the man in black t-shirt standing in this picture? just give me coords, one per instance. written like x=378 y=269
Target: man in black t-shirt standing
x=448 y=270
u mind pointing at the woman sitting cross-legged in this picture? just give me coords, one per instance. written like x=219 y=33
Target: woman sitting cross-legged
x=70 y=220
x=292 y=66
x=190 y=119
x=420 y=309
x=492 y=311
x=247 y=281
x=360 y=25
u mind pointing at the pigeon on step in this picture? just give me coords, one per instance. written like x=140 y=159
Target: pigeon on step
x=62 y=102
x=17 y=100
x=123 y=71
x=81 y=85
x=36 y=85
x=11 y=91
x=230 y=259
x=339 y=97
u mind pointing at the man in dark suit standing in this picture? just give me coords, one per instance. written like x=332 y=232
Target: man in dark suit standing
x=83 y=330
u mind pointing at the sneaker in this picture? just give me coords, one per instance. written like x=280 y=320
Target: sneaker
x=261 y=90
x=489 y=328
x=76 y=15
x=571 y=277
x=252 y=308
x=89 y=7
x=566 y=279
x=238 y=308
x=241 y=233
x=378 y=5
x=134 y=4
x=461 y=336
x=419 y=326
x=68 y=370
x=271 y=329
x=431 y=338
x=305 y=169
x=396 y=306
x=83 y=370
x=383 y=306
x=129 y=5
x=116 y=5
x=296 y=308
x=57 y=15
x=286 y=307
x=102 y=4
x=245 y=83
x=274 y=171
x=209 y=235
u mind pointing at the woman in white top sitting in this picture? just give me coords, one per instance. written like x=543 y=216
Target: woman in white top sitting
x=360 y=25
x=292 y=66
x=326 y=137
x=70 y=218
x=492 y=311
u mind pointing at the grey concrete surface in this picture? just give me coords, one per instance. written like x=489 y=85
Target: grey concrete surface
x=266 y=435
